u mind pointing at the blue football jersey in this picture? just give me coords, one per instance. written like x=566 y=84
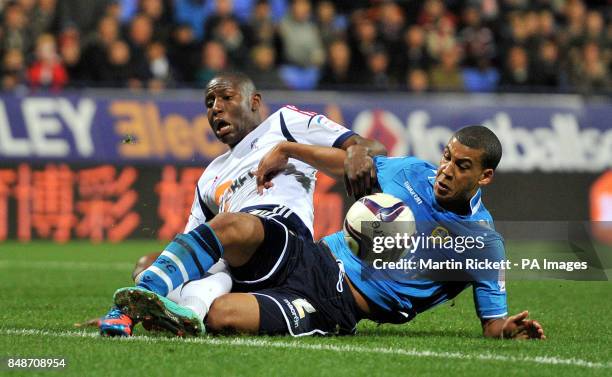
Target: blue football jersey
x=403 y=294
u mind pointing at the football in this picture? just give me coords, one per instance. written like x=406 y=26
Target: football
x=376 y=215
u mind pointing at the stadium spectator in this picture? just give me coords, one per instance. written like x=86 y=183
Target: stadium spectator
x=594 y=28
x=518 y=34
x=414 y=34
x=229 y=34
x=412 y=54
x=546 y=68
x=184 y=53
x=301 y=40
x=117 y=70
x=83 y=14
x=43 y=18
x=13 y=70
x=477 y=40
x=574 y=14
x=391 y=23
x=331 y=25
x=261 y=24
x=213 y=61
x=96 y=46
x=377 y=75
x=162 y=75
x=47 y=70
x=516 y=71
x=263 y=69
x=441 y=38
x=160 y=16
x=590 y=71
x=417 y=81
x=338 y=72
x=222 y=9
x=140 y=34
x=70 y=52
x=364 y=39
x=447 y=75
x=15 y=34
x=433 y=12
x=547 y=26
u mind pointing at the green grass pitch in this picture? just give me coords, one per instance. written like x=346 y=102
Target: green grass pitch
x=46 y=288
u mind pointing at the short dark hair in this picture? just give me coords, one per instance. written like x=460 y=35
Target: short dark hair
x=480 y=137
x=241 y=80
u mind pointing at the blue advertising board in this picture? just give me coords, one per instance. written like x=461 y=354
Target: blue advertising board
x=538 y=133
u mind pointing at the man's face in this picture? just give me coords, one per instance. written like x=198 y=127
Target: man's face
x=230 y=115
x=460 y=173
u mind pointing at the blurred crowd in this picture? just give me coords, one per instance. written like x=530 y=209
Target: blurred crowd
x=413 y=45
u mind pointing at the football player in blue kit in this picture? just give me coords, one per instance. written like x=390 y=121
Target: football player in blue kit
x=326 y=289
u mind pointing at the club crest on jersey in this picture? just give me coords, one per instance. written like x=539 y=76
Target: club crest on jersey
x=441 y=233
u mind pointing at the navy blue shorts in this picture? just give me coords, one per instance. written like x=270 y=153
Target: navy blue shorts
x=298 y=284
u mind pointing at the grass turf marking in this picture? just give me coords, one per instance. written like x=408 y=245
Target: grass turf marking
x=256 y=343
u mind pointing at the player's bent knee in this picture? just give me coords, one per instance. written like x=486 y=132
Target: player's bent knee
x=240 y=234
x=235 y=226
x=233 y=312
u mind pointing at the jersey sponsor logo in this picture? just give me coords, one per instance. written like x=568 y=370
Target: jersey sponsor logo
x=224 y=192
x=413 y=193
x=220 y=190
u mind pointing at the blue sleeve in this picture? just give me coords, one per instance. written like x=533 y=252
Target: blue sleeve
x=490 y=295
x=395 y=173
x=388 y=167
x=490 y=299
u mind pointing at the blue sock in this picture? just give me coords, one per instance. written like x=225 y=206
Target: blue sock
x=187 y=257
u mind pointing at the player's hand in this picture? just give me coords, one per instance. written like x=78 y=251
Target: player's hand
x=270 y=165
x=359 y=171
x=519 y=327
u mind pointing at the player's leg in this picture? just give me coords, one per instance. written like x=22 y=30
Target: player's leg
x=259 y=249
x=275 y=311
x=233 y=236
x=234 y=312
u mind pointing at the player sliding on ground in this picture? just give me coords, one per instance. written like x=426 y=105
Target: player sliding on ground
x=325 y=289
x=230 y=219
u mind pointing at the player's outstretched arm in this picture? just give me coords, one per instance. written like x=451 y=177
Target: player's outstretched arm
x=373 y=147
x=514 y=327
x=326 y=159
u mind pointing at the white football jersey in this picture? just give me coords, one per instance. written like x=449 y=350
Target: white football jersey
x=228 y=184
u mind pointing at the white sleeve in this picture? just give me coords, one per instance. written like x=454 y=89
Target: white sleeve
x=199 y=214
x=311 y=128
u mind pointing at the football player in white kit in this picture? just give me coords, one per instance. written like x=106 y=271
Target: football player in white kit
x=231 y=220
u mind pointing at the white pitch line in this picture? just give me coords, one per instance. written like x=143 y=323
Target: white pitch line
x=262 y=343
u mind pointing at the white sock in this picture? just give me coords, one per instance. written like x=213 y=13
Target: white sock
x=198 y=295
x=175 y=294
